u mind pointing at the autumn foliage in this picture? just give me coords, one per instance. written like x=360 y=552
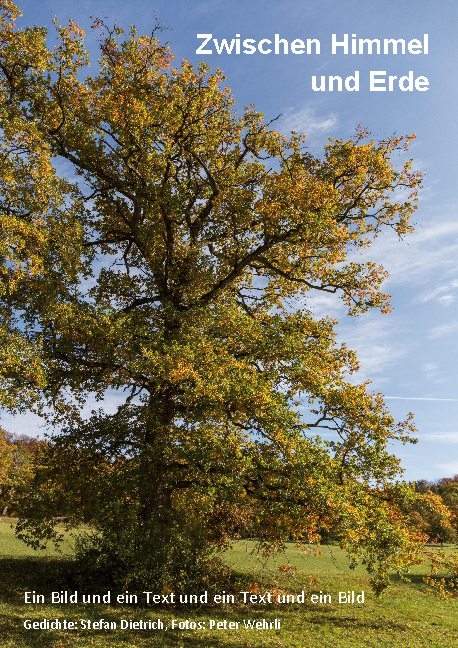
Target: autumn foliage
x=159 y=244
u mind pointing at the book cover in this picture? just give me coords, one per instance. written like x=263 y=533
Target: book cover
x=228 y=321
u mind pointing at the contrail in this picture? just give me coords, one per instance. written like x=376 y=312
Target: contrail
x=420 y=398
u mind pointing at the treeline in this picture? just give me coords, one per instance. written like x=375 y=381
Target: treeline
x=433 y=512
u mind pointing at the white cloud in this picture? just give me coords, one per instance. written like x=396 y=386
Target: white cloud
x=432 y=248
x=446 y=300
x=378 y=345
x=305 y=120
x=420 y=398
x=444 y=329
x=450 y=468
x=430 y=370
x=442 y=294
x=441 y=437
x=324 y=304
x=432 y=231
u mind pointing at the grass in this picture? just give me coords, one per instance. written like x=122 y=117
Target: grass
x=406 y=616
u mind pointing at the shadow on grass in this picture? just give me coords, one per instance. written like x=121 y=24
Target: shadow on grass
x=20 y=574
x=43 y=575
x=415 y=581
x=352 y=622
x=13 y=633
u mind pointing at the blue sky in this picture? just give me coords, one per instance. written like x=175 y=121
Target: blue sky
x=410 y=355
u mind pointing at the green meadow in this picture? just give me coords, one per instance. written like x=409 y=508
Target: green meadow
x=406 y=615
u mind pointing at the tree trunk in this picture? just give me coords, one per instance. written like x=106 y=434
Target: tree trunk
x=155 y=491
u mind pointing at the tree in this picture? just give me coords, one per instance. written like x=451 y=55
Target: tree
x=6 y=468
x=157 y=243
x=447 y=490
x=19 y=457
x=431 y=516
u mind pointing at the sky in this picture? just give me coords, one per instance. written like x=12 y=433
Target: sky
x=410 y=355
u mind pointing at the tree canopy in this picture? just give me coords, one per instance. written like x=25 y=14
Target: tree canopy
x=157 y=242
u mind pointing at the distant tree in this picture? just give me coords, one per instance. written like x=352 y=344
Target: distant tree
x=431 y=516
x=6 y=463
x=18 y=462
x=422 y=486
x=156 y=243
x=447 y=488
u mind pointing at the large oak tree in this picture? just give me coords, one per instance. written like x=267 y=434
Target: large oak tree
x=157 y=242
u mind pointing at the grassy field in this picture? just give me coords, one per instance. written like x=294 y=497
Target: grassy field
x=405 y=616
